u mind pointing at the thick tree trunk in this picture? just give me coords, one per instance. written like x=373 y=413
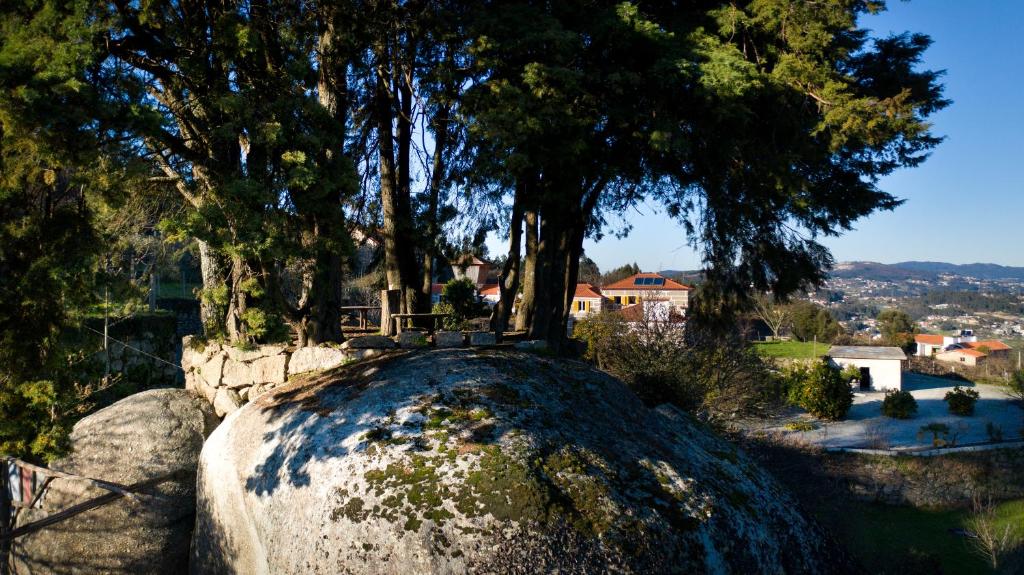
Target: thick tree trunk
x=237 y=304
x=324 y=218
x=399 y=238
x=508 y=282
x=437 y=179
x=524 y=317
x=210 y=271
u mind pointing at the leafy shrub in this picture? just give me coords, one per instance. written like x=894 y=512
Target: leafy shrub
x=825 y=394
x=715 y=377
x=939 y=431
x=899 y=404
x=461 y=294
x=851 y=373
x=458 y=302
x=961 y=401
x=451 y=321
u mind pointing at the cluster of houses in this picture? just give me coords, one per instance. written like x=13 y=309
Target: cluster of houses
x=963 y=348
x=640 y=297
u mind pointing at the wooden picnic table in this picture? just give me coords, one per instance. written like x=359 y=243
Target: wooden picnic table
x=362 y=311
x=400 y=316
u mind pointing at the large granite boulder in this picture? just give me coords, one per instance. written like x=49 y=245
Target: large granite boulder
x=154 y=436
x=485 y=461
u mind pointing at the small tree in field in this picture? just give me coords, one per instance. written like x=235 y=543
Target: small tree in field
x=776 y=316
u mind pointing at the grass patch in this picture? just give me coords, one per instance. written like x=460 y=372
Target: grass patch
x=790 y=349
x=881 y=535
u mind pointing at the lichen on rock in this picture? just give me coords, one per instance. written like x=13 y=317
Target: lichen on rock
x=485 y=460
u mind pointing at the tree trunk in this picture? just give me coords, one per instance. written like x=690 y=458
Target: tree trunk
x=237 y=304
x=399 y=239
x=209 y=268
x=524 y=317
x=324 y=217
x=437 y=179
x=508 y=282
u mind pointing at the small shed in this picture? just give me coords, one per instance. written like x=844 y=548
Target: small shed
x=881 y=368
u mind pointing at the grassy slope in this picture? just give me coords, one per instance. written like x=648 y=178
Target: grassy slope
x=790 y=349
x=879 y=534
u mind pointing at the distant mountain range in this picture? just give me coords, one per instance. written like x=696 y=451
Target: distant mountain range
x=924 y=270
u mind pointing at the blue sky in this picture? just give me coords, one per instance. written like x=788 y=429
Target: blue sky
x=965 y=204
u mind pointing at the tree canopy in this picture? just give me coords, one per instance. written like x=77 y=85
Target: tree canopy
x=286 y=127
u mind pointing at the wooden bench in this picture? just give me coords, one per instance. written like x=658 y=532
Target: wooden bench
x=398 y=317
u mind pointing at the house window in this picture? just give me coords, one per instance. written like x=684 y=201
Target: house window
x=617 y=299
x=963 y=359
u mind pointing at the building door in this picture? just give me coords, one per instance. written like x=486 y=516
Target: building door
x=865 y=379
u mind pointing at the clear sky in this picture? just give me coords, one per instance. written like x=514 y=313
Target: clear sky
x=965 y=204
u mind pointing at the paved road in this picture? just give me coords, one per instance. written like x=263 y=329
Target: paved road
x=865 y=425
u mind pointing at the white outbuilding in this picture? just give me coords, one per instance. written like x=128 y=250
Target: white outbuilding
x=881 y=368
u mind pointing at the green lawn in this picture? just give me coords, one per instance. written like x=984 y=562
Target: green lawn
x=790 y=349
x=880 y=534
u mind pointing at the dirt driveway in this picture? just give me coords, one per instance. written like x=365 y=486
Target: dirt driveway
x=865 y=426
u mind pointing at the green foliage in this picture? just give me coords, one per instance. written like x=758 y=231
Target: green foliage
x=897 y=327
x=459 y=303
x=713 y=377
x=451 y=321
x=1015 y=386
x=790 y=349
x=899 y=404
x=812 y=321
x=850 y=373
x=961 y=401
x=619 y=273
x=824 y=393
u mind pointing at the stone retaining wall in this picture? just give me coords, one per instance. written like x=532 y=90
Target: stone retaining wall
x=229 y=377
x=951 y=480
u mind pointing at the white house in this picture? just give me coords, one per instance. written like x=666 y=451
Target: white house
x=881 y=368
x=643 y=286
x=929 y=344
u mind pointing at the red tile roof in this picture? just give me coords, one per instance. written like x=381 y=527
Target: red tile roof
x=587 y=291
x=970 y=352
x=928 y=339
x=436 y=288
x=628 y=284
x=490 y=289
x=991 y=344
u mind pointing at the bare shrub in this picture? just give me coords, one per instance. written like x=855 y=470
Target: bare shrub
x=996 y=543
x=876 y=435
x=717 y=377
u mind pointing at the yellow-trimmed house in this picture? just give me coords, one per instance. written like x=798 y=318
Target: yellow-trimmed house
x=585 y=301
x=644 y=286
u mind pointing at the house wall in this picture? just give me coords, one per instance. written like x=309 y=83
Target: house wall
x=927 y=349
x=680 y=299
x=885 y=373
x=595 y=307
x=954 y=357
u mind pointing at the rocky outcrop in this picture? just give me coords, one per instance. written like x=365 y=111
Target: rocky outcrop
x=485 y=461
x=151 y=438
